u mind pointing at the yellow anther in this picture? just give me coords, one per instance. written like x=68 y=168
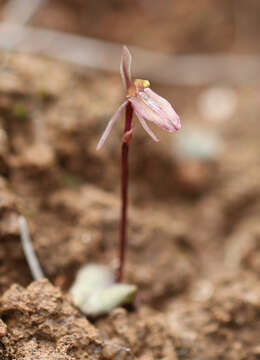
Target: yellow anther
x=138 y=85
x=142 y=83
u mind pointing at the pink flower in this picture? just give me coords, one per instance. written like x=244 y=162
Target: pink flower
x=147 y=105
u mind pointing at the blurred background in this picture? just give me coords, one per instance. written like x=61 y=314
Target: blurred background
x=202 y=56
x=171 y=26
x=195 y=196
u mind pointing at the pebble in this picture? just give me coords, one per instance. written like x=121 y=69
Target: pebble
x=217 y=103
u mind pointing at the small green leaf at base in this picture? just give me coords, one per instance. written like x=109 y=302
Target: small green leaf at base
x=95 y=292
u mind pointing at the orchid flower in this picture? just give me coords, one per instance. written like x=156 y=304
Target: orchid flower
x=146 y=104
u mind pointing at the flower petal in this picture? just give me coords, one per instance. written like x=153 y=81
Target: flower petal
x=125 y=67
x=110 y=125
x=156 y=109
x=146 y=127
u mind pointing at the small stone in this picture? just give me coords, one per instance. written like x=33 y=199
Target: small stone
x=194 y=143
x=217 y=103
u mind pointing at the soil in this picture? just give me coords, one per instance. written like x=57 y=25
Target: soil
x=194 y=227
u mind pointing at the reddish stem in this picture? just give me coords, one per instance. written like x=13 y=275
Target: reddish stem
x=124 y=190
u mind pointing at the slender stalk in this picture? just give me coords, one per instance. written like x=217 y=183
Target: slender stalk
x=29 y=253
x=124 y=190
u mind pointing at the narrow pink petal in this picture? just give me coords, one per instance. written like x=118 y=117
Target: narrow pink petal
x=125 y=67
x=146 y=127
x=164 y=106
x=156 y=109
x=110 y=125
x=147 y=113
